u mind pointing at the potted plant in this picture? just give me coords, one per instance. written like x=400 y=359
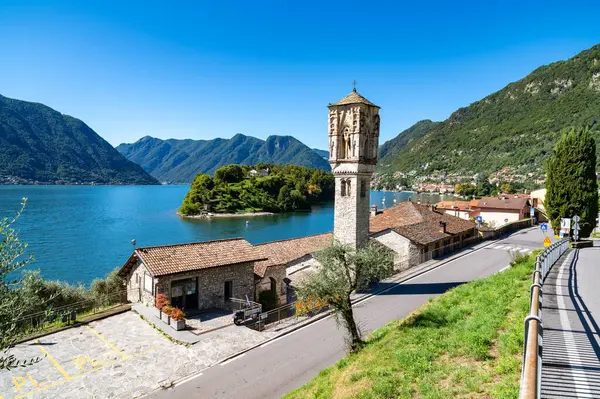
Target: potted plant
x=160 y=302
x=177 y=320
x=166 y=313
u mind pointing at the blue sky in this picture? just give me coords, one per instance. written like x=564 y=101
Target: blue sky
x=213 y=69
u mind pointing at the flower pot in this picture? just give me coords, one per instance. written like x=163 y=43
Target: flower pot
x=177 y=324
x=157 y=312
x=165 y=318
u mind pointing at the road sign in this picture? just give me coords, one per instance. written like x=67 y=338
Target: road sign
x=565 y=225
x=478 y=219
x=532 y=211
x=576 y=218
x=547 y=242
x=562 y=235
x=543 y=226
x=576 y=227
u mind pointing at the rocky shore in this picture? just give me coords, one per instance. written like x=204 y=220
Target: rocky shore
x=225 y=215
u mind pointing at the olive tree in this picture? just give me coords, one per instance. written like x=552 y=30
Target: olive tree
x=341 y=272
x=12 y=259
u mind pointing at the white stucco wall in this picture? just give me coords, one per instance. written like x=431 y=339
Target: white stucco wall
x=460 y=214
x=496 y=219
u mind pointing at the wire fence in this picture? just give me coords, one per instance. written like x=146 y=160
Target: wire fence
x=531 y=377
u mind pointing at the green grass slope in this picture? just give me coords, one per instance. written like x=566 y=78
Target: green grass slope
x=516 y=126
x=466 y=343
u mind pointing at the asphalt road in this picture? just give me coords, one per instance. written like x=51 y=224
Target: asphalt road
x=290 y=361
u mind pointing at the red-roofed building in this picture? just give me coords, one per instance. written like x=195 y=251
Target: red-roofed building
x=418 y=233
x=498 y=211
x=461 y=209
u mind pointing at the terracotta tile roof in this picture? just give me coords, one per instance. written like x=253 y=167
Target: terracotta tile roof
x=171 y=259
x=511 y=203
x=354 y=98
x=473 y=204
x=418 y=223
x=454 y=205
x=285 y=251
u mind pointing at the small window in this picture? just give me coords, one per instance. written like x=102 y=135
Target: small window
x=343 y=188
x=148 y=283
x=228 y=290
x=363 y=188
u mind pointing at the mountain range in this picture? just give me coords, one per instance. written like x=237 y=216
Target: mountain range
x=515 y=127
x=41 y=145
x=178 y=161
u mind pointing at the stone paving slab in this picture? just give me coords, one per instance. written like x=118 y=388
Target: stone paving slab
x=118 y=357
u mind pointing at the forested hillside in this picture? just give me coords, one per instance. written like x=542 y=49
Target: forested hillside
x=414 y=132
x=514 y=127
x=39 y=144
x=180 y=160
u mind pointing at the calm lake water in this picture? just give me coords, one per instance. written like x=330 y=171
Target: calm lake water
x=78 y=233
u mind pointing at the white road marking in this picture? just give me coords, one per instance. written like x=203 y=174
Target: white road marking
x=583 y=387
x=191 y=377
x=232 y=359
x=503 y=269
x=499 y=247
x=271 y=341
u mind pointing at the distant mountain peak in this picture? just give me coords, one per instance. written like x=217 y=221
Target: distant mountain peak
x=181 y=160
x=39 y=144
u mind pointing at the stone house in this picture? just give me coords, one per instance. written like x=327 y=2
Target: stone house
x=498 y=211
x=417 y=233
x=193 y=276
x=286 y=259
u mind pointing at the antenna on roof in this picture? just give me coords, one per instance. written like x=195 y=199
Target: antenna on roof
x=354 y=84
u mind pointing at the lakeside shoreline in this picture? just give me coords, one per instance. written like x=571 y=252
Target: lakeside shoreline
x=225 y=215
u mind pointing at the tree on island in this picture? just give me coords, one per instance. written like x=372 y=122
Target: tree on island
x=342 y=271
x=571 y=182
x=237 y=189
x=12 y=259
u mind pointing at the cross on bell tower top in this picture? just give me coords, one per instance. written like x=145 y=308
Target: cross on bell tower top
x=354 y=84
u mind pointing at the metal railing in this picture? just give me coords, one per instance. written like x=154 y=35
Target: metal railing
x=290 y=313
x=531 y=377
x=66 y=314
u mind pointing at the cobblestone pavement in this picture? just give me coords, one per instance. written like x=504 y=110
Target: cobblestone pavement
x=118 y=357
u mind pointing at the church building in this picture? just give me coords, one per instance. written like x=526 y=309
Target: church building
x=208 y=274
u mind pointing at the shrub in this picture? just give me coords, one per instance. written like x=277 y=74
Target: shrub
x=167 y=309
x=268 y=299
x=161 y=301
x=177 y=314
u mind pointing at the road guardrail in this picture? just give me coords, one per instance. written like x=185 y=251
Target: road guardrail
x=531 y=377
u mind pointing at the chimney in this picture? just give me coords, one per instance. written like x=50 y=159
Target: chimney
x=373 y=210
x=443 y=227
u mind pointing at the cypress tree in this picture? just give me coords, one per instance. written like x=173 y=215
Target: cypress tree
x=571 y=184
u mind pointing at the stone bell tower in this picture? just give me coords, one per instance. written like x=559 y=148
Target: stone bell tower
x=353 y=146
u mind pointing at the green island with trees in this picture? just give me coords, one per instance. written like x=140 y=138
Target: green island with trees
x=264 y=187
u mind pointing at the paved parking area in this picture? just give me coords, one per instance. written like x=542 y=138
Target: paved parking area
x=118 y=357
